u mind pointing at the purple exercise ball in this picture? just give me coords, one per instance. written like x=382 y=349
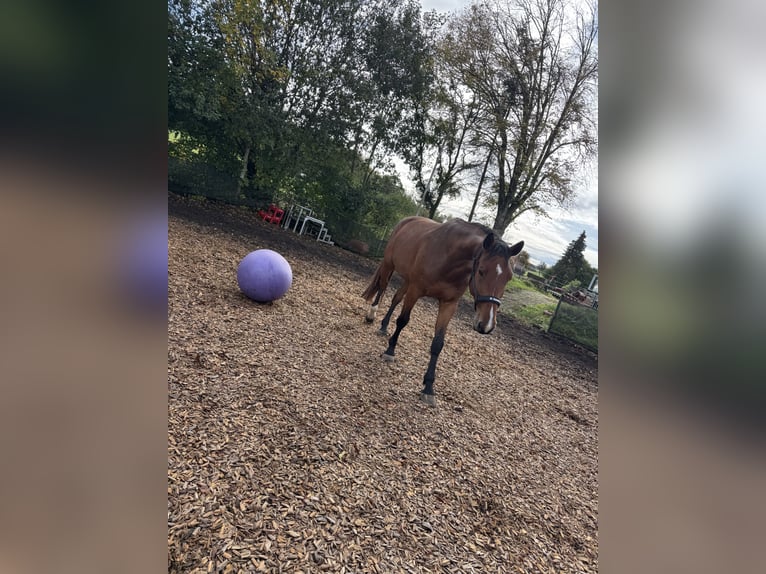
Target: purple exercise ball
x=264 y=275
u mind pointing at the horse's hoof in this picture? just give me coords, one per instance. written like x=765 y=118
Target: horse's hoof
x=382 y=333
x=368 y=320
x=430 y=400
x=388 y=358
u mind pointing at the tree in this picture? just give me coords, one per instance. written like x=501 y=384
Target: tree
x=387 y=203
x=523 y=259
x=532 y=64
x=290 y=60
x=223 y=84
x=396 y=85
x=197 y=74
x=282 y=93
x=440 y=156
x=572 y=266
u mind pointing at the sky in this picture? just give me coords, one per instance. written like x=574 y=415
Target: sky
x=545 y=239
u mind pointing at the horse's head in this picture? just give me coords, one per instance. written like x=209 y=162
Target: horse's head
x=491 y=271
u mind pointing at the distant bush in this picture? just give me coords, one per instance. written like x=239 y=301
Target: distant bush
x=192 y=176
x=573 y=285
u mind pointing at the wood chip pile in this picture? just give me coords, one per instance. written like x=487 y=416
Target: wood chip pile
x=293 y=447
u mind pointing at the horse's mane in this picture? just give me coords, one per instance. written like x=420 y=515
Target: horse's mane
x=499 y=247
x=484 y=228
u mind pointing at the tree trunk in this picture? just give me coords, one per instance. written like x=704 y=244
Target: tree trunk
x=502 y=220
x=426 y=191
x=509 y=210
x=243 y=171
x=434 y=206
x=370 y=166
x=481 y=183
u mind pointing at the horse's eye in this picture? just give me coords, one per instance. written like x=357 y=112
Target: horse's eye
x=481 y=272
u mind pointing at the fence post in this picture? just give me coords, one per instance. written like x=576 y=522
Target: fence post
x=556 y=312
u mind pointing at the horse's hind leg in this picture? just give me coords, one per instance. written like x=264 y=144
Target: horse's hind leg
x=410 y=298
x=377 y=288
x=394 y=302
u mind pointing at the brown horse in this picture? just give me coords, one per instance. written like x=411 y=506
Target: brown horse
x=441 y=260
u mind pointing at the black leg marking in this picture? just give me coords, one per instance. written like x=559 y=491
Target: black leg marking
x=387 y=318
x=436 y=348
x=401 y=323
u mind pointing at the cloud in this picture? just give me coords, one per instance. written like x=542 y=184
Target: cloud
x=545 y=239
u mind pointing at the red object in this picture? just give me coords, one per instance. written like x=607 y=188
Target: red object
x=273 y=215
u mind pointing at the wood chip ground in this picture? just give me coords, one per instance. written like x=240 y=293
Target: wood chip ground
x=292 y=447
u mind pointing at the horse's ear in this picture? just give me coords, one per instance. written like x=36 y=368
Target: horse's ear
x=489 y=241
x=516 y=249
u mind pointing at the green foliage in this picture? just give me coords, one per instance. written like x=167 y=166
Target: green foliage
x=387 y=203
x=305 y=102
x=296 y=101
x=573 y=285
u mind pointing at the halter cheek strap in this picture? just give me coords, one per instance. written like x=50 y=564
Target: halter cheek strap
x=480 y=298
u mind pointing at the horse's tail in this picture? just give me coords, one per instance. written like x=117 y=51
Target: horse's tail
x=374 y=285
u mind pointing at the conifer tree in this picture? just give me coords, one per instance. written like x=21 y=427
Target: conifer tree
x=572 y=265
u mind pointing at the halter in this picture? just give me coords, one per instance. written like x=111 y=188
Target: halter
x=480 y=298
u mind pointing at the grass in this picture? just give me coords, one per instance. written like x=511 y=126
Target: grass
x=575 y=322
x=519 y=284
x=578 y=323
x=534 y=315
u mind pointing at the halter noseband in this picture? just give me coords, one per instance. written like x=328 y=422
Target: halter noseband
x=480 y=298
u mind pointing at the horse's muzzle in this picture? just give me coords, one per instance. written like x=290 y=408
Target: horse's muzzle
x=483 y=328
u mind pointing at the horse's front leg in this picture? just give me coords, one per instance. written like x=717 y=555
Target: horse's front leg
x=446 y=311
